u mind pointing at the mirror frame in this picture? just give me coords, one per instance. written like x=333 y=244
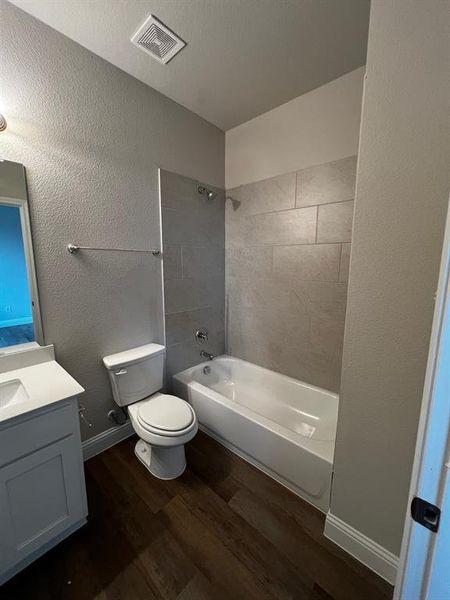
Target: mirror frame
x=22 y=204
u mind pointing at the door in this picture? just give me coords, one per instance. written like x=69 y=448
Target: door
x=424 y=570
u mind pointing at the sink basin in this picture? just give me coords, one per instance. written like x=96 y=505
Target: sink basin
x=12 y=392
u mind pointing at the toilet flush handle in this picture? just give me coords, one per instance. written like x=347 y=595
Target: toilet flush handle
x=121 y=372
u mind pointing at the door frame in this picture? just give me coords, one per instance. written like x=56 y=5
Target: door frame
x=416 y=555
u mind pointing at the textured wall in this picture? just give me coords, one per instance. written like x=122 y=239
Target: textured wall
x=315 y=128
x=194 y=270
x=287 y=253
x=89 y=136
x=402 y=195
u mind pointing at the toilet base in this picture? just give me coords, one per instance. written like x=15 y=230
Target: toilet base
x=162 y=462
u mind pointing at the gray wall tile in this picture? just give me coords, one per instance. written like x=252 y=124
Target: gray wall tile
x=335 y=222
x=181 y=327
x=297 y=226
x=331 y=182
x=179 y=192
x=196 y=228
x=180 y=295
x=255 y=292
x=172 y=262
x=255 y=261
x=235 y=227
x=193 y=292
x=277 y=193
x=327 y=333
x=316 y=262
x=318 y=298
x=345 y=262
x=203 y=261
x=194 y=265
x=187 y=354
x=286 y=293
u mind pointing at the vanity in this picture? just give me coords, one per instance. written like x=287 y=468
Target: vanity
x=42 y=488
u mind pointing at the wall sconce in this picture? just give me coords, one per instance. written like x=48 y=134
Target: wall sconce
x=3 y=123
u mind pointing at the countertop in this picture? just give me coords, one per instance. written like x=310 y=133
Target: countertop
x=45 y=384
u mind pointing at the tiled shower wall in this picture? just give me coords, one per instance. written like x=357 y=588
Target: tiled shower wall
x=193 y=230
x=287 y=256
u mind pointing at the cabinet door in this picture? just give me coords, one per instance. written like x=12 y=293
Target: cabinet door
x=41 y=495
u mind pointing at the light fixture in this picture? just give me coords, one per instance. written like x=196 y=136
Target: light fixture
x=3 y=123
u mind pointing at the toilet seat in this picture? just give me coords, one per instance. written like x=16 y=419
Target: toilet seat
x=165 y=415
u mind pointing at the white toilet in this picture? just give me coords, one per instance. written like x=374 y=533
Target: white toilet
x=164 y=423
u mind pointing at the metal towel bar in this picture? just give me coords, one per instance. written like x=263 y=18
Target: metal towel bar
x=74 y=249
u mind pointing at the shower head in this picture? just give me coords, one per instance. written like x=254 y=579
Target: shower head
x=208 y=193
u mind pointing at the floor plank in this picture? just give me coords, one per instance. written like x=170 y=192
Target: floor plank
x=223 y=530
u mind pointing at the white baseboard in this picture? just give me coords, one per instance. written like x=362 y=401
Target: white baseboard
x=106 y=439
x=371 y=554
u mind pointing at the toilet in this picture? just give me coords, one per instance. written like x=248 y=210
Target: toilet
x=164 y=423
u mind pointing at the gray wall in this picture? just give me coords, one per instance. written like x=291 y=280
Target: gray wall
x=401 y=201
x=287 y=252
x=194 y=270
x=89 y=136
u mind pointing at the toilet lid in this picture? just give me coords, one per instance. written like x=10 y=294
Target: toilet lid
x=165 y=412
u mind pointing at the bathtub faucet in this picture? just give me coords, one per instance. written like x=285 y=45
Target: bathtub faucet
x=206 y=355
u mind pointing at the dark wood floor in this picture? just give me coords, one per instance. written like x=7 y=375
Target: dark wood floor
x=222 y=531
x=18 y=334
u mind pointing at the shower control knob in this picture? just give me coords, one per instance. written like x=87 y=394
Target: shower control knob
x=201 y=336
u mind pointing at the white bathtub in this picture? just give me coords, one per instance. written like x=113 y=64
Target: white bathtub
x=281 y=425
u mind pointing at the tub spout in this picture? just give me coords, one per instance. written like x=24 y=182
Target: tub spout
x=206 y=355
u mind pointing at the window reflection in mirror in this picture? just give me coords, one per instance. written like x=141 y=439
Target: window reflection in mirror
x=19 y=305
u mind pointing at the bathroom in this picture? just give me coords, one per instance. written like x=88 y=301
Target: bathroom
x=230 y=259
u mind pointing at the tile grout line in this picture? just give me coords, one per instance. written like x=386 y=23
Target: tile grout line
x=295 y=172
x=317 y=223
x=269 y=245
x=296 y=187
x=271 y=212
x=182 y=262
x=280 y=210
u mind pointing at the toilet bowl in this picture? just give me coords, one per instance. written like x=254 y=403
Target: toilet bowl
x=164 y=423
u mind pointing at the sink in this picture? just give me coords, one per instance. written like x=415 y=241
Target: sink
x=12 y=392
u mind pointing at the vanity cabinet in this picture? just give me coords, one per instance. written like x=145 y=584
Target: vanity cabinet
x=42 y=490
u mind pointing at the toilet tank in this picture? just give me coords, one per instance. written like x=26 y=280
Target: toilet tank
x=136 y=373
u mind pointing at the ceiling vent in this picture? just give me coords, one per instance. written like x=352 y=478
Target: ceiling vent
x=157 y=40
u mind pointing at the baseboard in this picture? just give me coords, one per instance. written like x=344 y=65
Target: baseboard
x=368 y=552
x=106 y=439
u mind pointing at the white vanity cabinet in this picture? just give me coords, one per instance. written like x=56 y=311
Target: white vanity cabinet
x=42 y=489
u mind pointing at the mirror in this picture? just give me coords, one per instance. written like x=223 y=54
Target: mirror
x=20 y=320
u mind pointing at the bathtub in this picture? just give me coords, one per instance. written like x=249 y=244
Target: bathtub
x=283 y=426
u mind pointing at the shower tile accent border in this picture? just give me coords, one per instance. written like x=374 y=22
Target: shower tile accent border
x=193 y=232
x=288 y=244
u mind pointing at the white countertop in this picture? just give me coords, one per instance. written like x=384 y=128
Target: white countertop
x=45 y=384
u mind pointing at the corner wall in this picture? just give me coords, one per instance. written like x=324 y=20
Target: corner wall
x=290 y=176
x=315 y=128
x=90 y=137
x=401 y=201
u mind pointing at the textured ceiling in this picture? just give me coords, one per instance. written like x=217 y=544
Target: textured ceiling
x=243 y=57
